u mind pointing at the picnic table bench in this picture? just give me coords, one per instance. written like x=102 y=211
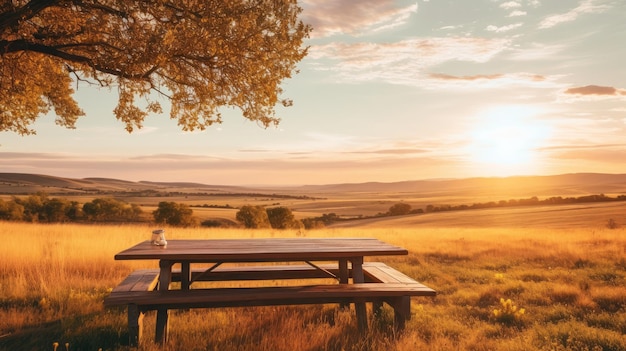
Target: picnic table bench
x=143 y=290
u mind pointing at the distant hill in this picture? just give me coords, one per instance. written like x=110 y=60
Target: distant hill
x=498 y=187
x=506 y=187
x=24 y=183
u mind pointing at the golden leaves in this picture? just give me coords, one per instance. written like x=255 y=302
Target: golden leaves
x=202 y=55
x=33 y=84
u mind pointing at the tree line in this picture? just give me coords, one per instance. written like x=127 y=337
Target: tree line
x=41 y=208
x=403 y=208
x=532 y=201
x=44 y=209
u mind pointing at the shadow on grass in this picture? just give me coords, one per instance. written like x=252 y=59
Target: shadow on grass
x=86 y=332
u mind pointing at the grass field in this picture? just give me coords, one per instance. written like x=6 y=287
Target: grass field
x=569 y=281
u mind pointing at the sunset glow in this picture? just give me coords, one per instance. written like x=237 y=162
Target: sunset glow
x=507 y=140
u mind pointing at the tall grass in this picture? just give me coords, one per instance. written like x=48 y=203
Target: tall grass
x=570 y=284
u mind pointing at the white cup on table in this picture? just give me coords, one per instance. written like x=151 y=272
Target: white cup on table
x=158 y=237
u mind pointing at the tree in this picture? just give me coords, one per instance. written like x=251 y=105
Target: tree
x=59 y=210
x=107 y=209
x=175 y=214
x=200 y=55
x=33 y=206
x=281 y=218
x=11 y=211
x=253 y=217
x=399 y=209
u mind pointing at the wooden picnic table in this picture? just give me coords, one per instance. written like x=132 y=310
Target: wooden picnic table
x=219 y=251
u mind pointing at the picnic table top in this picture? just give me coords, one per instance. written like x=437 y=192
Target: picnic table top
x=261 y=250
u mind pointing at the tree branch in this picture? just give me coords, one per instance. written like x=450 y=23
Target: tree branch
x=23 y=45
x=12 y=18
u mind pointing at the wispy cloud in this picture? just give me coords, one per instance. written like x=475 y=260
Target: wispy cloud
x=518 y=13
x=592 y=93
x=403 y=62
x=595 y=153
x=356 y=18
x=172 y=157
x=510 y=5
x=444 y=81
x=502 y=29
x=536 y=51
x=595 y=90
x=443 y=76
x=391 y=152
x=585 y=7
x=267 y=171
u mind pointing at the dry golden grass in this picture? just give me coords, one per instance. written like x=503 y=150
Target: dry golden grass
x=569 y=281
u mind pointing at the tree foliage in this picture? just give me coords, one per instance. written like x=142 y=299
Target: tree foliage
x=32 y=205
x=175 y=214
x=199 y=55
x=399 y=209
x=282 y=218
x=111 y=210
x=40 y=208
x=253 y=216
x=11 y=211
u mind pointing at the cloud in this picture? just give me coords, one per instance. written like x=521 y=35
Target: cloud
x=208 y=170
x=402 y=62
x=42 y=156
x=330 y=17
x=391 y=152
x=536 y=51
x=490 y=81
x=594 y=153
x=518 y=13
x=492 y=28
x=591 y=93
x=595 y=90
x=568 y=148
x=586 y=6
x=510 y=5
x=466 y=78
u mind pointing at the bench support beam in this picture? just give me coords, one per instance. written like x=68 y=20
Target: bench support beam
x=162 y=313
x=135 y=325
x=358 y=278
x=162 y=323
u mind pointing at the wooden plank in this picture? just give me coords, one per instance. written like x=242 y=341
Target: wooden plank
x=143 y=280
x=264 y=295
x=382 y=273
x=264 y=272
x=139 y=280
x=261 y=250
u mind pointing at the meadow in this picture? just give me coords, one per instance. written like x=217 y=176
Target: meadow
x=499 y=288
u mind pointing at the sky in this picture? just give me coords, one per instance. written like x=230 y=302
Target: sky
x=390 y=91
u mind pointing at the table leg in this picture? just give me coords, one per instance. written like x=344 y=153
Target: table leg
x=344 y=276
x=165 y=278
x=343 y=271
x=185 y=278
x=358 y=277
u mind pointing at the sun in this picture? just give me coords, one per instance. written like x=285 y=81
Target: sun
x=507 y=139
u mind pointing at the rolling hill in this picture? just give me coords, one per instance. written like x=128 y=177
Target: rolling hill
x=362 y=201
x=496 y=187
